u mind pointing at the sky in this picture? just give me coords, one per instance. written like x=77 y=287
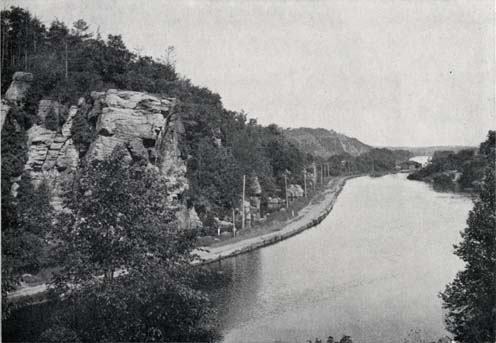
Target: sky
x=388 y=72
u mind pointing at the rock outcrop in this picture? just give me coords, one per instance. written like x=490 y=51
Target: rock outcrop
x=144 y=124
x=4 y=111
x=52 y=156
x=147 y=126
x=255 y=191
x=19 y=87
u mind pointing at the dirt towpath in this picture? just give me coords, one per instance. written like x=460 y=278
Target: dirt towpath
x=309 y=216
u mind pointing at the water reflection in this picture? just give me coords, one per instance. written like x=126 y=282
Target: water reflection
x=372 y=269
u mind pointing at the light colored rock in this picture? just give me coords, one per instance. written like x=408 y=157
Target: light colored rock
x=21 y=82
x=128 y=117
x=195 y=221
x=39 y=141
x=222 y=224
x=144 y=124
x=295 y=191
x=4 y=111
x=255 y=187
x=68 y=157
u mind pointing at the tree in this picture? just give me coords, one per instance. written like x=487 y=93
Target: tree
x=471 y=298
x=24 y=229
x=126 y=267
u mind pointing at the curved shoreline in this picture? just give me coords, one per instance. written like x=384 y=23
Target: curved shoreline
x=310 y=216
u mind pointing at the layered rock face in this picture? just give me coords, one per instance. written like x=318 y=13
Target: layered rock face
x=147 y=126
x=144 y=124
x=52 y=156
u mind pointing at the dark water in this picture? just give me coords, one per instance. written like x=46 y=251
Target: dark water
x=372 y=269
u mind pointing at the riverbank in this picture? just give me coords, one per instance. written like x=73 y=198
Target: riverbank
x=311 y=215
x=308 y=217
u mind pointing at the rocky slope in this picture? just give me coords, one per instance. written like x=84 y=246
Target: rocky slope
x=145 y=125
x=325 y=143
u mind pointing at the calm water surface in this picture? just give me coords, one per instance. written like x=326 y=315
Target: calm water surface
x=372 y=269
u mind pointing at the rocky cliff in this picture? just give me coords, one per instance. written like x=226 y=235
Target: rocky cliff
x=146 y=125
x=325 y=143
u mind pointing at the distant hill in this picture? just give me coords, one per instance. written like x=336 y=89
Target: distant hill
x=325 y=143
x=430 y=150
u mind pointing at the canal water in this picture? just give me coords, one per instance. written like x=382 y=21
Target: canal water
x=372 y=269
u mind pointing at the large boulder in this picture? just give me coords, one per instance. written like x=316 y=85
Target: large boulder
x=131 y=119
x=21 y=82
x=147 y=126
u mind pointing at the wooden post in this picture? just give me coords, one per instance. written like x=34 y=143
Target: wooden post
x=66 y=61
x=243 y=204
x=305 y=181
x=314 y=175
x=286 y=190
x=234 y=222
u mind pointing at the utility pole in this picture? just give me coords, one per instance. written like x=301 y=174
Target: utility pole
x=234 y=222
x=314 y=175
x=243 y=204
x=286 y=190
x=305 y=180
x=66 y=61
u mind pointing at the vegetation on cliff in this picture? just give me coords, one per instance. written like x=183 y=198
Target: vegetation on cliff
x=471 y=298
x=25 y=217
x=125 y=266
x=71 y=62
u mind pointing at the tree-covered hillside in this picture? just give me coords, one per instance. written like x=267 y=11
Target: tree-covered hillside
x=69 y=62
x=325 y=143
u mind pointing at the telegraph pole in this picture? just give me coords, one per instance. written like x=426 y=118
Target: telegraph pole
x=66 y=61
x=286 y=190
x=234 y=222
x=314 y=174
x=243 y=204
x=305 y=180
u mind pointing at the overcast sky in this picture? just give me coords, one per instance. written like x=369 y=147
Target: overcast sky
x=387 y=72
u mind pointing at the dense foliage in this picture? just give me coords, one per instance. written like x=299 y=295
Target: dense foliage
x=220 y=145
x=471 y=298
x=70 y=62
x=24 y=217
x=126 y=272
x=375 y=160
x=461 y=170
